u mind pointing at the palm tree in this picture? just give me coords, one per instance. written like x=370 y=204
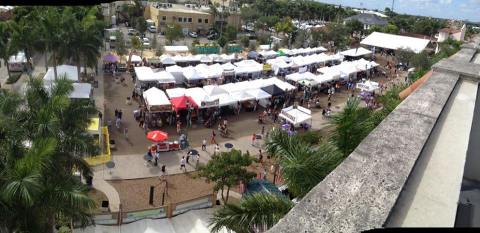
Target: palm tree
x=23 y=37
x=36 y=178
x=255 y=213
x=351 y=126
x=52 y=34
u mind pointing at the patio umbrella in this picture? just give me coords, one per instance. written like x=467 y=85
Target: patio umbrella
x=157 y=136
x=111 y=58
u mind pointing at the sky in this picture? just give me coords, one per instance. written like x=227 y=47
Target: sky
x=450 y=9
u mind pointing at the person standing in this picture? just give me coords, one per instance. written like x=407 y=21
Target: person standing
x=216 y=150
x=253 y=139
x=260 y=156
x=120 y=113
x=182 y=164
x=125 y=133
x=178 y=127
x=117 y=123
x=204 y=145
x=116 y=113
x=263 y=130
x=188 y=157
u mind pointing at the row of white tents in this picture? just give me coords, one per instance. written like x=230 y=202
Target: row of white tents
x=280 y=63
x=217 y=95
x=222 y=58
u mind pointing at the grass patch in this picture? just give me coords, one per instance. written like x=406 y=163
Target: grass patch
x=14 y=77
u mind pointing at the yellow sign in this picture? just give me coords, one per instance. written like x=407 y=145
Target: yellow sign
x=267 y=67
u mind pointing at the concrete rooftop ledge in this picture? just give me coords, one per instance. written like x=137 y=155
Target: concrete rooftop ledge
x=361 y=192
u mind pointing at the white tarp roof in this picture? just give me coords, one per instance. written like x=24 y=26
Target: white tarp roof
x=356 y=52
x=197 y=94
x=368 y=86
x=18 y=58
x=69 y=71
x=242 y=96
x=259 y=93
x=164 y=77
x=281 y=84
x=297 y=115
x=176 y=49
x=136 y=59
x=395 y=42
x=174 y=69
x=144 y=73
x=319 y=79
x=215 y=70
x=212 y=90
x=228 y=66
x=268 y=53
x=167 y=60
x=224 y=99
x=81 y=91
x=155 y=97
x=248 y=66
x=191 y=73
x=175 y=92
x=296 y=77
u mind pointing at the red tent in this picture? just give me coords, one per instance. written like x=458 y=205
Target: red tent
x=181 y=102
x=157 y=136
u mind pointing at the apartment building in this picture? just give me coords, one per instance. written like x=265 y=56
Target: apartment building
x=189 y=16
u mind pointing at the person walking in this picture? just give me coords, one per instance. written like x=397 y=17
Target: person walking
x=263 y=130
x=253 y=139
x=178 y=126
x=182 y=164
x=125 y=133
x=188 y=157
x=120 y=113
x=116 y=113
x=117 y=123
x=212 y=141
x=216 y=150
x=260 y=156
x=204 y=145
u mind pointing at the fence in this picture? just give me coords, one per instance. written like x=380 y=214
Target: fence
x=104 y=158
x=167 y=211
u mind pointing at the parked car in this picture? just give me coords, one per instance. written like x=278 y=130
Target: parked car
x=193 y=34
x=212 y=36
x=146 y=42
x=152 y=29
x=132 y=32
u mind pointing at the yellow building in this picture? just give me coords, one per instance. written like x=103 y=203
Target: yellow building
x=188 y=16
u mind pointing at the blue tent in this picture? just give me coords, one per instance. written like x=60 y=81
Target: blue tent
x=257 y=185
x=252 y=55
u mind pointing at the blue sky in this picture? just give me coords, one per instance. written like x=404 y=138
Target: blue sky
x=452 y=9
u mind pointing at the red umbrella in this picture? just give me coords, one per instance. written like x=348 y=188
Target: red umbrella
x=157 y=136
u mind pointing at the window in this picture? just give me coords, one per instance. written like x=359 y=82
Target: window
x=180 y=19
x=199 y=20
x=184 y=19
x=189 y=20
x=206 y=20
x=164 y=18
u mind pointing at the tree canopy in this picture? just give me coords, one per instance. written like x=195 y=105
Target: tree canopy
x=174 y=32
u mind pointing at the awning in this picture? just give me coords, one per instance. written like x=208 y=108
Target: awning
x=179 y=103
x=273 y=90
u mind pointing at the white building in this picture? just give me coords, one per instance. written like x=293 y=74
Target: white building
x=456 y=34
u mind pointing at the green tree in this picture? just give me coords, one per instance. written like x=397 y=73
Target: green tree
x=354 y=26
x=256 y=212
x=286 y=26
x=53 y=34
x=37 y=181
x=141 y=25
x=375 y=28
x=230 y=33
x=351 y=126
x=303 y=167
x=120 y=47
x=421 y=61
x=245 y=41
x=227 y=170
x=336 y=33
x=222 y=41
x=174 y=32
x=404 y=55
x=391 y=28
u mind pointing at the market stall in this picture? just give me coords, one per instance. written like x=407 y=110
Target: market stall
x=156 y=100
x=177 y=72
x=164 y=79
x=296 y=115
x=67 y=71
x=175 y=92
x=17 y=62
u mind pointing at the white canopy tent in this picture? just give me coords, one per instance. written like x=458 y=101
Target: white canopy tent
x=296 y=77
x=368 y=86
x=281 y=84
x=212 y=90
x=176 y=49
x=156 y=100
x=164 y=77
x=198 y=95
x=144 y=74
x=81 y=91
x=136 y=59
x=297 y=115
x=177 y=72
x=191 y=73
x=395 y=42
x=242 y=96
x=62 y=70
x=248 y=66
x=215 y=70
x=175 y=92
x=224 y=99
x=258 y=93
x=356 y=52
x=167 y=60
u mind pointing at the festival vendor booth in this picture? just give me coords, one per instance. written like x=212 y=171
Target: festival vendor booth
x=185 y=108
x=153 y=62
x=164 y=79
x=144 y=79
x=193 y=77
x=280 y=66
x=228 y=72
x=162 y=145
x=225 y=100
x=70 y=72
x=297 y=77
x=356 y=53
x=367 y=90
x=81 y=91
x=297 y=116
x=17 y=62
x=248 y=69
x=167 y=60
x=176 y=49
x=259 y=96
x=175 y=92
x=135 y=60
x=158 y=106
x=177 y=73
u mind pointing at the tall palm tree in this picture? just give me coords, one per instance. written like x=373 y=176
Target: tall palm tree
x=43 y=140
x=23 y=37
x=255 y=213
x=351 y=126
x=52 y=34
